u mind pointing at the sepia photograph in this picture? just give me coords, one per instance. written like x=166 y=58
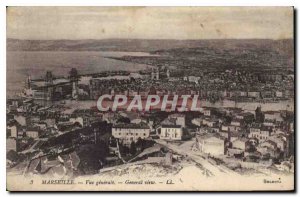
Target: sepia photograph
x=150 y=98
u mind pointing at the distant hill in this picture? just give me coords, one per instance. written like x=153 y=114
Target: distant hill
x=282 y=46
x=254 y=52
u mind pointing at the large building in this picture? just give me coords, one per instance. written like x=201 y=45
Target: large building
x=171 y=132
x=128 y=133
x=211 y=145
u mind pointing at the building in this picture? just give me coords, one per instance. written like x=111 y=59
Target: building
x=33 y=133
x=262 y=134
x=240 y=143
x=171 y=132
x=12 y=130
x=11 y=144
x=273 y=116
x=128 y=133
x=211 y=145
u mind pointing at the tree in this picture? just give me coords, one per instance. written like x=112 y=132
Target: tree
x=132 y=148
x=123 y=120
x=73 y=74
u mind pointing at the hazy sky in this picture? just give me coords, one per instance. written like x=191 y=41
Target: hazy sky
x=149 y=22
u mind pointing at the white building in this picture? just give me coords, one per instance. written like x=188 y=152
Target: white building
x=262 y=134
x=211 y=145
x=32 y=133
x=130 y=132
x=171 y=132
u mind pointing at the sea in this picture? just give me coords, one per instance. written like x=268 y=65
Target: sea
x=21 y=64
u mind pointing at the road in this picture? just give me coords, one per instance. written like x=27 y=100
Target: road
x=185 y=150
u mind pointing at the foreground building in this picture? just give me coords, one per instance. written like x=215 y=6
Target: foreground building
x=128 y=133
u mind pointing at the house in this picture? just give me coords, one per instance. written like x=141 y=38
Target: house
x=262 y=134
x=11 y=144
x=211 y=145
x=171 y=132
x=273 y=116
x=33 y=132
x=240 y=143
x=129 y=133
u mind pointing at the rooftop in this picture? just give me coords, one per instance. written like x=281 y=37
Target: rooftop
x=131 y=126
x=170 y=126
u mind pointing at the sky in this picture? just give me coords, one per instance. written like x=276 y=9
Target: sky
x=47 y=23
